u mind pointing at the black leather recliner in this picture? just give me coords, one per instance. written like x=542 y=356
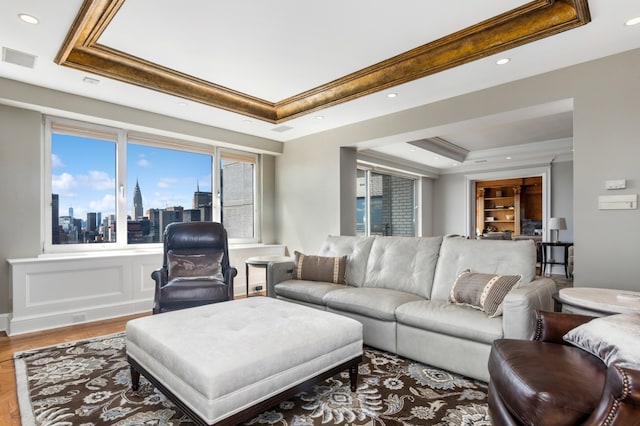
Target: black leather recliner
x=195 y=269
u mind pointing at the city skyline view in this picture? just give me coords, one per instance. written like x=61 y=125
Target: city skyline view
x=83 y=174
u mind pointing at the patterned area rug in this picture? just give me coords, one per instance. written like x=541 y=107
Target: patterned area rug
x=88 y=383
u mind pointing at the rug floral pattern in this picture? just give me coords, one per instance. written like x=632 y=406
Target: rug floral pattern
x=88 y=383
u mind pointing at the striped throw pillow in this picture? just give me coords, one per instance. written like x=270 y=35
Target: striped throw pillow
x=483 y=291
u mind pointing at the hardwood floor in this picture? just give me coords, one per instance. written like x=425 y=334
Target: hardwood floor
x=9 y=410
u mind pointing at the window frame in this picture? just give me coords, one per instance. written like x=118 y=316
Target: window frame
x=122 y=138
x=257 y=200
x=369 y=170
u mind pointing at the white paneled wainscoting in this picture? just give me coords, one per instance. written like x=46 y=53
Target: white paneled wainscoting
x=58 y=290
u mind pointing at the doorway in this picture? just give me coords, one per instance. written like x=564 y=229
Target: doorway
x=530 y=211
x=511 y=207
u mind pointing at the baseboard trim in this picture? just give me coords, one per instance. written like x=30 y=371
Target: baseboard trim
x=24 y=325
x=4 y=322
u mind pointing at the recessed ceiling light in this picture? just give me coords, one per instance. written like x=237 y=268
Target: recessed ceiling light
x=90 y=80
x=392 y=95
x=182 y=104
x=633 y=21
x=503 y=61
x=319 y=117
x=508 y=158
x=29 y=19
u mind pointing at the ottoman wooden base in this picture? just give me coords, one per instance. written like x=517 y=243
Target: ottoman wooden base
x=256 y=409
x=227 y=362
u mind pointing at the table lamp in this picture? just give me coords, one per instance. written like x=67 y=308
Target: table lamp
x=556 y=224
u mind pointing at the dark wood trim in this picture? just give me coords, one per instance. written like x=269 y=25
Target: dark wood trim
x=254 y=410
x=533 y=21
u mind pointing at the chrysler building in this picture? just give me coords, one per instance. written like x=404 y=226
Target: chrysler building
x=137 y=212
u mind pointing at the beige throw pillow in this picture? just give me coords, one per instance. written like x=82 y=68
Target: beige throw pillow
x=485 y=292
x=320 y=268
x=613 y=339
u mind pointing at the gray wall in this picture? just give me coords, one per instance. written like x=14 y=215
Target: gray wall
x=606 y=96
x=20 y=174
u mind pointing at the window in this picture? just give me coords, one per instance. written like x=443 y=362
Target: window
x=104 y=184
x=237 y=197
x=83 y=184
x=164 y=186
x=385 y=204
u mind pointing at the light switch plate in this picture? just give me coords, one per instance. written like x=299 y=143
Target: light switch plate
x=616 y=184
x=618 y=202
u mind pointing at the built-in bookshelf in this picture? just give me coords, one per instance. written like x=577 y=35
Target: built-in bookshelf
x=502 y=204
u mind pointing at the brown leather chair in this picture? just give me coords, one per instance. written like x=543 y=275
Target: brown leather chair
x=547 y=381
x=195 y=270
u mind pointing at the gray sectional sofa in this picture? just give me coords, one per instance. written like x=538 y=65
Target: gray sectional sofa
x=398 y=288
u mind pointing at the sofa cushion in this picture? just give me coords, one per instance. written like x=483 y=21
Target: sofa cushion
x=357 y=251
x=557 y=384
x=454 y=320
x=379 y=303
x=483 y=291
x=403 y=263
x=487 y=256
x=306 y=291
x=320 y=268
x=613 y=339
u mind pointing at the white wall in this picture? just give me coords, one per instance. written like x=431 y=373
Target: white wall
x=606 y=96
x=562 y=196
x=308 y=194
x=606 y=132
x=449 y=204
x=20 y=174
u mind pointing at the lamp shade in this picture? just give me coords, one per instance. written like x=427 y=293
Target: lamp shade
x=557 y=223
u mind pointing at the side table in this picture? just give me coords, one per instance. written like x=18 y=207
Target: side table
x=597 y=301
x=545 y=261
x=263 y=262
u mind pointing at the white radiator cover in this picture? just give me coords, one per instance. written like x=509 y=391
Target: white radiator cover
x=56 y=291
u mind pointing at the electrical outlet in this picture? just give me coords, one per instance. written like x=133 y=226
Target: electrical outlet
x=81 y=317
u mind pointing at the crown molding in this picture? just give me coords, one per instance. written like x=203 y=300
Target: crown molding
x=533 y=21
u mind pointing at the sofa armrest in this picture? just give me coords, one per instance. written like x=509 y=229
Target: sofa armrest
x=620 y=401
x=520 y=306
x=276 y=273
x=552 y=326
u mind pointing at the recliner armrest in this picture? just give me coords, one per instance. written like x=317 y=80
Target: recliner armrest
x=620 y=401
x=160 y=277
x=229 y=274
x=552 y=326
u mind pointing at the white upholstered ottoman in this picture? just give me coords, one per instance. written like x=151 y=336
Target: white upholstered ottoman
x=227 y=362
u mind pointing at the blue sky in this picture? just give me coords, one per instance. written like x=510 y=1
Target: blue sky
x=84 y=175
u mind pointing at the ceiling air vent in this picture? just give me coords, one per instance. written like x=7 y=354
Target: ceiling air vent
x=282 y=129
x=18 y=58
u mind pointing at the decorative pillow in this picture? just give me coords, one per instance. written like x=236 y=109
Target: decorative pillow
x=195 y=266
x=320 y=268
x=613 y=339
x=483 y=291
